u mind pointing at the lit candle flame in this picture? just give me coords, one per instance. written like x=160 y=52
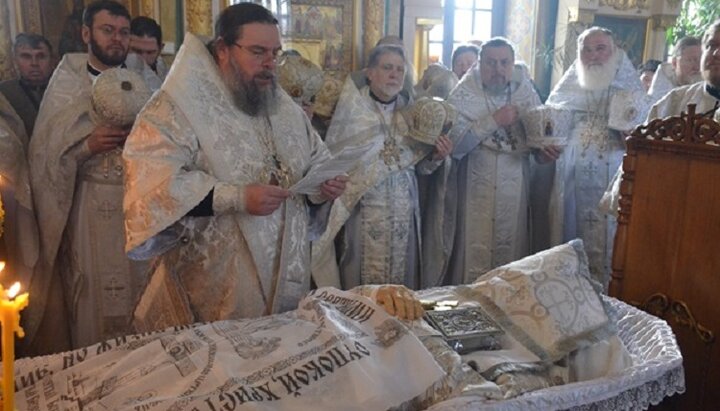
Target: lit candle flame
x=2 y=266
x=14 y=290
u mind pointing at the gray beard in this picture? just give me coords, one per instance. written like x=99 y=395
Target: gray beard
x=247 y=96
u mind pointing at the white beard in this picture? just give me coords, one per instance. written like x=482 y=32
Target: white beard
x=598 y=77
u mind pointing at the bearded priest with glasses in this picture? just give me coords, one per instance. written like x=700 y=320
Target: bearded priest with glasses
x=210 y=164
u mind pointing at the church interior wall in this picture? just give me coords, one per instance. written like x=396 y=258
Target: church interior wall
x=521 y=19
x=545 y=49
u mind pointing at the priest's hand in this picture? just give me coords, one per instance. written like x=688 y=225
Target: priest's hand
x=506 y=115
x=548 y=154
x=399 y=301
x=264 y=199
x=105 y=138
x=443 y=148
x=333 y=188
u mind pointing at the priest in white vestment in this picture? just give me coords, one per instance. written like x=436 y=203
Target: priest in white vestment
x=490 y=164
x=378 y=214
x=209 y=163
x=594 y=150
x=704 y=94
x=77 y=176
x=683 y=69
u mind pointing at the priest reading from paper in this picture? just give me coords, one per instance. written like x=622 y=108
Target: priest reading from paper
x=209 y=164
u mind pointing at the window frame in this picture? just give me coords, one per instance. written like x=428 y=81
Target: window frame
x=498 y=10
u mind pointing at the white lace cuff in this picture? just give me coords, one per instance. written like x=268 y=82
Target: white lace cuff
x=228 y=198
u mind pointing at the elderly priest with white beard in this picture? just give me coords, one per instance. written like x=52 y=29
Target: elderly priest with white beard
x=594 y=150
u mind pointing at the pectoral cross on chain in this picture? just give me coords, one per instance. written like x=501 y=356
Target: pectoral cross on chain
x=592 y=136
x=280 y=172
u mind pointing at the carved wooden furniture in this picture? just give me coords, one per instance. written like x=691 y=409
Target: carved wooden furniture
x=666 y=256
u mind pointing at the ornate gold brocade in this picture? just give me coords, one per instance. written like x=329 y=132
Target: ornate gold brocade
x=125 y=3
x=625 y=4
x=390 y=152
x=7 y=70
x=595 y=132
x=374 y=12
x=586 y=17
x=199 y=17
x=662 y=22
x=31 y=18
x=2 y=217
x=147 y=8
